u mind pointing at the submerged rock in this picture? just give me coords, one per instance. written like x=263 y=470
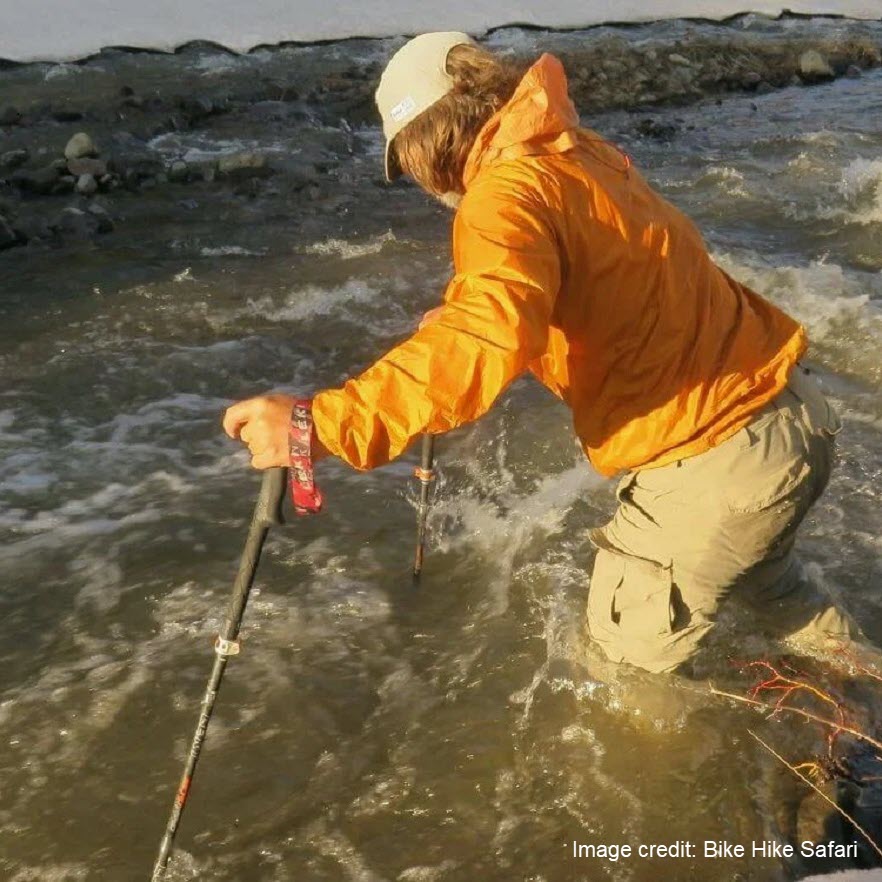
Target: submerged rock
x=9 y=116
x=650 y=128
x=75 y=223
x=814 y=68
x=41 y=180
x=14 y=158
x=8 y=236
x=105 y=224
x=179 y=171
x=243 y=165
x=80 y=146
x=65 y=184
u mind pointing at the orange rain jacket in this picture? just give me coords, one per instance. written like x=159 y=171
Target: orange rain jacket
x=568 y=264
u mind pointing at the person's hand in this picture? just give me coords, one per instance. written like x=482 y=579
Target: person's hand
x=262 y=424
x=431 y=316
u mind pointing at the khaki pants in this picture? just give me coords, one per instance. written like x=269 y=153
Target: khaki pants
x=691 y=535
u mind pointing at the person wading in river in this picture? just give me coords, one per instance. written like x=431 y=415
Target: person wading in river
x=568 y=265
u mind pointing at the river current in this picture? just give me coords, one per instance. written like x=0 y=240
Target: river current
x=371 y=730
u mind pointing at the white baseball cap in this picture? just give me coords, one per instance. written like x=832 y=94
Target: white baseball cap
x=414 y=79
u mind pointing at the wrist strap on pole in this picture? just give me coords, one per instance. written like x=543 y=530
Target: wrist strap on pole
x=307 y=498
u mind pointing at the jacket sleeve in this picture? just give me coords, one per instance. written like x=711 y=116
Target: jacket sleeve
x=493 y=323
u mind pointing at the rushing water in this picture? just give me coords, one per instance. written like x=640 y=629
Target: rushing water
x=371 y=730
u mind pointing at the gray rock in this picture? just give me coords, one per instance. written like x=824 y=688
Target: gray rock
x=80 y=146
x=195 y=108
x=95 y=167
x=8 y=236
x=14 y=158
x=74 y=223
x=207 y=170
x=60 y=165
x=179 y=172
x=853 y=72
x=652 y=129
x=87 y=185
x=813 y=67
x=752 y=79
x=243 y=165
x=9 y=116
x=105 y=224
x=134 y=168
x=41 y=180
x=65 y=184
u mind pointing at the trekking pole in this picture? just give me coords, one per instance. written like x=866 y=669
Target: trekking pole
x=267 y=513
x=426 y=474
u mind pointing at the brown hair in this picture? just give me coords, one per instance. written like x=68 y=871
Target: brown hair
x=433 y=148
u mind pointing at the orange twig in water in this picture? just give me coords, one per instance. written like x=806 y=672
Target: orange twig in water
x=773 y=711
x=790 y=687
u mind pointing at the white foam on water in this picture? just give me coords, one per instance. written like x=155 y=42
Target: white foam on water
x=217 y=65
x=728 y=180
x=230 y=251
x=837 y=306
x=313 y=301
x=61 y=71
x=851 y=195
x=861 y=186
x=348 y=250
x=199 y=147
x=500 y=529
x=52 y=873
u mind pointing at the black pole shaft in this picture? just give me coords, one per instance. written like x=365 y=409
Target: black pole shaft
x=267 y=512
x=426 y=475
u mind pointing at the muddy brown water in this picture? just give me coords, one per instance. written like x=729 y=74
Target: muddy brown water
x=370 y=730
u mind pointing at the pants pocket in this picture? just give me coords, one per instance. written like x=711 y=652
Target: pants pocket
x=774 y=470
x=770 y=488
x=642 y=604
x=630 y=603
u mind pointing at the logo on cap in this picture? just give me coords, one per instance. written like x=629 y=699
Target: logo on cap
x=403 y=109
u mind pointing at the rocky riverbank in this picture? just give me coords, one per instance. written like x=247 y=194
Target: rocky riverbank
x=82 y=146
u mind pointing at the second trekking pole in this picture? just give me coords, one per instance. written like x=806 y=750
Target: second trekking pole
x=426 y=474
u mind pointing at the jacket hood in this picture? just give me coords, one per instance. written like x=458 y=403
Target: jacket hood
x=534 y=119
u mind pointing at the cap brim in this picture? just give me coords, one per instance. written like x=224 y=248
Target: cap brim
x=393 y=170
